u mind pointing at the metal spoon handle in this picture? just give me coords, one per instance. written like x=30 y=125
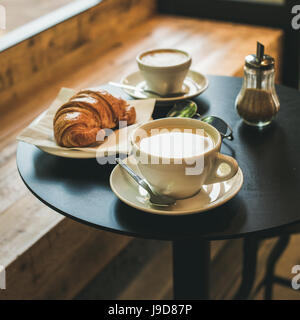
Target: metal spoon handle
x=125 y=86
x=136 y=177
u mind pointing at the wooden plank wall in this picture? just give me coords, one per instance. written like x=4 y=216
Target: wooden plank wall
x=47 y=255
x=52 y=53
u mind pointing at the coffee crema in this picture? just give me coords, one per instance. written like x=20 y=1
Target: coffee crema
x=164 y=58
x=177 y=144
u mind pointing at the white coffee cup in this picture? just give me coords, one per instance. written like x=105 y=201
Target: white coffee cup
x=164 y=70
x=173 y=178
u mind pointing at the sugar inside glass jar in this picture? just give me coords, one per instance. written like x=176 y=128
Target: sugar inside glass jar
x=257 y=103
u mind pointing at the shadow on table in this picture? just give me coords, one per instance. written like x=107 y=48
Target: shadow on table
x=258 y=135
x=214 y=223
x=63 y=170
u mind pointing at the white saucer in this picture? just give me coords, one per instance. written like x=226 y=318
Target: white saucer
x=195 y=83
x=211 y=196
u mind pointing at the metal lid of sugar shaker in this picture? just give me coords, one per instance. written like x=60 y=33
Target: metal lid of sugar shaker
x=260 y=60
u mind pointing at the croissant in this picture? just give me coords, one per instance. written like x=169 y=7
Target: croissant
x=78 y=121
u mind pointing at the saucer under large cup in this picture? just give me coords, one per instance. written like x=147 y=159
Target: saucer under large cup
x=194 y=84
x=210 y=196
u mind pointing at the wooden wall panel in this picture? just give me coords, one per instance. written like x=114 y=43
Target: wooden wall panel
x=51 y=53
x=60 y=264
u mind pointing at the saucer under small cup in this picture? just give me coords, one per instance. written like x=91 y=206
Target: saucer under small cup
x=194 y=84
x=209 y=197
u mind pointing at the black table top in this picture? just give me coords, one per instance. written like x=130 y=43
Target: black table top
x=269 y=158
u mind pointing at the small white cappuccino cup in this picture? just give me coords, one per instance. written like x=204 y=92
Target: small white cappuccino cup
x=164 y=70
x=170 y=172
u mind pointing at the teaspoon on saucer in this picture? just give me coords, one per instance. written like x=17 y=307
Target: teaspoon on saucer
x=125 y=86
x=155 y=199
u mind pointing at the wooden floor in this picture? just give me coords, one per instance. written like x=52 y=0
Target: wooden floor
x=290 y=258
x=143 y=282
x=63 y=262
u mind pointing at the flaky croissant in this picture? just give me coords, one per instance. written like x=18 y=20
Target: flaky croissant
x=77 y=122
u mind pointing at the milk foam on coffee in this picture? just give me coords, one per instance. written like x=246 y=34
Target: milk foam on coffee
x=176 y=144
x=164 y=58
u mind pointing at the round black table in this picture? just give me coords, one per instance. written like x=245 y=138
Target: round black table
x=269 y=198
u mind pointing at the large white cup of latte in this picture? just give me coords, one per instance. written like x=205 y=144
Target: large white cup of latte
x=164 y=69
x=178 y=155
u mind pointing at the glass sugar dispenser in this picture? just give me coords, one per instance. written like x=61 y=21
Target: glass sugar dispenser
x=257 y=103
